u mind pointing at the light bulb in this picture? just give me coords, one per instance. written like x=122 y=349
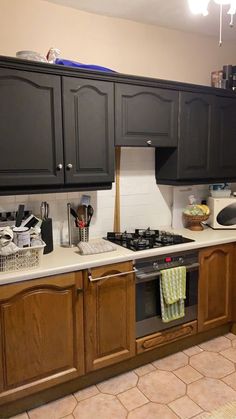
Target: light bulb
x=199 y=6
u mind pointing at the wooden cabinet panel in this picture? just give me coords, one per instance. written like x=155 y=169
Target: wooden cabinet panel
x=30 y=129
x=145 y=116
x=196 y=134
x=147 y=343
x=109 y=316
x=215 y=286
x=42 y=331
x=88 y=130
x=225 y=143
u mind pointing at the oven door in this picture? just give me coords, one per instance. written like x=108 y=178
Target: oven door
x=148 y=306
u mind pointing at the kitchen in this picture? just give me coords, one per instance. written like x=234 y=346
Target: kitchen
x=141 y=198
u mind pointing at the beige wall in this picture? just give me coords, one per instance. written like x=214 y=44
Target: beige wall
x=125 y=46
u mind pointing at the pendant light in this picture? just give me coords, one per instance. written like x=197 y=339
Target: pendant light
x=201 y=7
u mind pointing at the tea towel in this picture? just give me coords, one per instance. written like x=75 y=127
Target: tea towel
x=172 y=293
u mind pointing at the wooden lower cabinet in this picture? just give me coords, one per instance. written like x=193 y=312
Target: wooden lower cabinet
x=41 y=336
x=109 y=315
x=216 y=277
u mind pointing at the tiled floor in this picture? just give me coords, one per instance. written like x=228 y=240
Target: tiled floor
x=185 y=385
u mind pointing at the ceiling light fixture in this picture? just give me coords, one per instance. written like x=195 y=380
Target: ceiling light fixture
x=201 y=7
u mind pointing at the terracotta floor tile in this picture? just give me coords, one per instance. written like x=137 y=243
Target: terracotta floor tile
x=231 y=380
x=233 y=343
x=161 y=386
x=210 y=393
x=216 y=345
x=230 y=336
x=132 y=398
x=172 y=362
x=118 y=384
x=68 y=417
x=21 y=416
x=194 y=350
x=144 y=369
x=202 y=416
x=54 y=410
x=212 y=364
x=230 y=354
x=85 y=393
x=101 y=406
x=185 y=407
x=152 y=411
x=188 y=374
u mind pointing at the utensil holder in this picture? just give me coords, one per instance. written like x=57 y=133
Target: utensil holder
x=84 y=234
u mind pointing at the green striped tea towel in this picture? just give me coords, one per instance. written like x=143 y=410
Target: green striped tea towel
x=172 y=293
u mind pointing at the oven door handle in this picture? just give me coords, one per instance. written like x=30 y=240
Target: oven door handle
x=145 y=277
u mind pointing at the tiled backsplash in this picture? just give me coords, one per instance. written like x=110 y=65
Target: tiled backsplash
x=143 y=202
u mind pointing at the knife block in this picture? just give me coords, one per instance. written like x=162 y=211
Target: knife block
x=47 y=236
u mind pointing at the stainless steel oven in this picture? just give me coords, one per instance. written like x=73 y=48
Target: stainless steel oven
x=148 y=307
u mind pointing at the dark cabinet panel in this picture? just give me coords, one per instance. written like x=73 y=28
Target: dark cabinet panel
x=145 y=116
x=196 y=133
x=30 y=129
x=88 y=111
x=225 y=142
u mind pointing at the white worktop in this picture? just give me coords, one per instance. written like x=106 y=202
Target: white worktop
x=63 y=260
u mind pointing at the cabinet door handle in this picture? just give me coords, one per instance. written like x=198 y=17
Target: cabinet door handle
x=149 y=142
x=69 y=166
x=59 y=166
x=79 y=291
x=111 y=276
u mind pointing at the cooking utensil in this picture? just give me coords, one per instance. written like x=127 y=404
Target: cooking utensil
x=81 y=213
x=90 y=212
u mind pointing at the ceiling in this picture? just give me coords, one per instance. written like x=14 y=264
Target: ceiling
x=173 y=14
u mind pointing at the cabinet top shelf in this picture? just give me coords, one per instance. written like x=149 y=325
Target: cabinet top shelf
x=17 y=63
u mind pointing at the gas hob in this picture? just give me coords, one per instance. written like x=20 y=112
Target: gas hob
x=143 y=239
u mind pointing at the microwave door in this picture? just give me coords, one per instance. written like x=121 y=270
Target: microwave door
x=227 y=216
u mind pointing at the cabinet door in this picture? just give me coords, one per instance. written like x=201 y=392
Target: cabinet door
x=109 y=316
x=195 y=154
x=30 y=129
x=41 y=333
x=145 y=116
x=225 y=137
x=88 y=114
x=215 y=286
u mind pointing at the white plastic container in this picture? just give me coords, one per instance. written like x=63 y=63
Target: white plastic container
x=221 y=193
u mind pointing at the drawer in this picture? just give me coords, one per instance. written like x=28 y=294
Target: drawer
x=155 y=340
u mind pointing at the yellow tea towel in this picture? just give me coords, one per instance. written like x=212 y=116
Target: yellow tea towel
x=172 y=293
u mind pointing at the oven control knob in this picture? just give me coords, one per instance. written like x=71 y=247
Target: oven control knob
x=155 y=265
x=181 y=260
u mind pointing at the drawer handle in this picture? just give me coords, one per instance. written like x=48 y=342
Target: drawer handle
x=149 y=142
x=69 y=166
x=59 y=166
x=111 y=276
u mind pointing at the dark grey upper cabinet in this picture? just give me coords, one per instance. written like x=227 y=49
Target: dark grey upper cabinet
x=225 y=141
x=30 y=129
x=145 y=116
x=196 y=136
x=88 y=115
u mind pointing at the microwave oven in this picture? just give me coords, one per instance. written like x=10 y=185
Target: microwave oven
x=222 y=213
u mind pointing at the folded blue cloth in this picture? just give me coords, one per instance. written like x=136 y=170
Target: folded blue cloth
x=70 y=63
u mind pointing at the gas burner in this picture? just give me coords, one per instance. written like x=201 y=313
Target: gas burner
x=140 y=243
x=143 y=239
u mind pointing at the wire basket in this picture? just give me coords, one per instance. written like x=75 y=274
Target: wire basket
x=27 y=258
x=194 y=222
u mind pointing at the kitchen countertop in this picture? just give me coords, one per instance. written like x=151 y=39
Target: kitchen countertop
x=63 y=260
